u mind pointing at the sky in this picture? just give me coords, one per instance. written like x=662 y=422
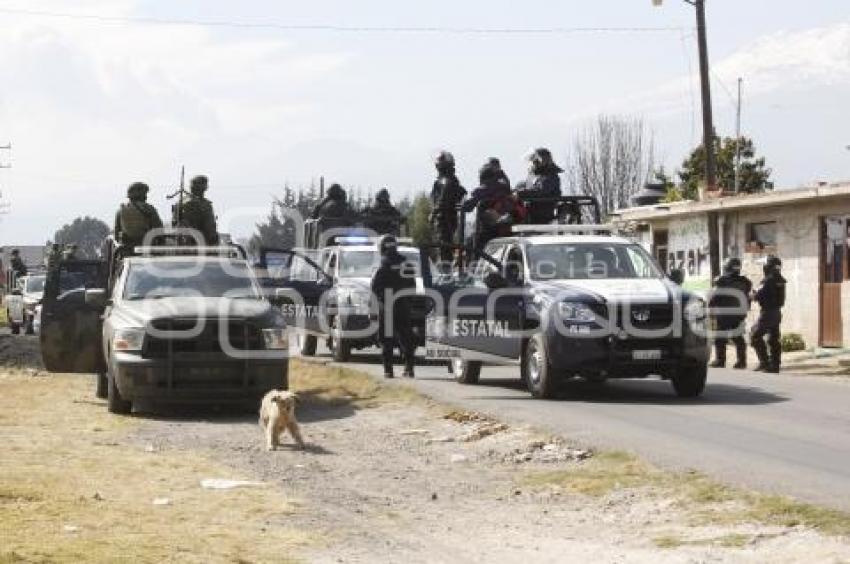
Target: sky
x=114 y=95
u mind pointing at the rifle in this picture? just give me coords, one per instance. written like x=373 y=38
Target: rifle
x=177 y=216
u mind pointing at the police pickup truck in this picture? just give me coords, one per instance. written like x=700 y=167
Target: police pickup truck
x=22 y=302
x=166 y=323
x=568 y=301
x=326 y=293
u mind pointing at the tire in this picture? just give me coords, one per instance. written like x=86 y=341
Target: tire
x=114 y=402
x=306 y=344
x=15 y=328
x=690 y=383
x=28 y=328
x=538 y=369
x=466 y=371
x=101 y=388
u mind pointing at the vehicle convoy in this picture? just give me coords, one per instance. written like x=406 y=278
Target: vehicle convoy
x=22 y=303
x=326 y=293
x=568 y=301
x=168 y=323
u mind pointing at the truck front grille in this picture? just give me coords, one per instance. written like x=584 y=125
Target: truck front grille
x=200 y=336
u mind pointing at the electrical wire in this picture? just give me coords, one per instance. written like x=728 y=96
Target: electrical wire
x=340 y=28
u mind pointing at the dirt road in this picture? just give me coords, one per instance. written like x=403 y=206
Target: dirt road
x=389 y=477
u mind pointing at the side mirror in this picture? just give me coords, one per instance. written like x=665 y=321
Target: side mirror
x=495 y=281
x=96 y=297
x=677 y=276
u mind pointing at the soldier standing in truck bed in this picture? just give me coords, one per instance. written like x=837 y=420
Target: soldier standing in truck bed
x=543 y=182
x=17 y=265
x=135 y=218
x=446 y=195
x=197 y=212
x=383 y=218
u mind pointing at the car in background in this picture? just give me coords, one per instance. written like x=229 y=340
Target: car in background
x=327 y=293
x=22 y=302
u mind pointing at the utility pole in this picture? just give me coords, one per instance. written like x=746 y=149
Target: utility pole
x=707 y=132
x=738 y=141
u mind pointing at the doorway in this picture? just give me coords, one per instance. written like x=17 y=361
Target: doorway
x=833 y=272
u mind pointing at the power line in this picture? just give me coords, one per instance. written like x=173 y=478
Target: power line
x=341 y=28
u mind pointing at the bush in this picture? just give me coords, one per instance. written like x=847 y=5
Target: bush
x=792 y=342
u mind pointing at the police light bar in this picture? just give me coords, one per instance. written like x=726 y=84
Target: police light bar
x=164 y=251
x=363 y=240
x=564 y=229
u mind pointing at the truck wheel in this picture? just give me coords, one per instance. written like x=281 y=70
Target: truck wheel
x=28 y=328
x=101 y=389
x=690 y=383
x=466 y=372
x=15 y=328
x=306 y=344
x=538 y=370
x=114 y=402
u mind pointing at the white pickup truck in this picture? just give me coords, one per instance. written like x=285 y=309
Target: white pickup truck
x=22 y=302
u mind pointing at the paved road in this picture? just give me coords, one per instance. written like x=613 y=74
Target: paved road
x=777 y=433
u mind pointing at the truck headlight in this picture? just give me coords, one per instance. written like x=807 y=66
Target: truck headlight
x=276 y=338
x=128 y=339
x=575 y=311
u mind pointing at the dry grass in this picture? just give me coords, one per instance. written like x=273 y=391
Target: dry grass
x=73 y=489
x=708 y=502
x=731 y=540
x=331 y=385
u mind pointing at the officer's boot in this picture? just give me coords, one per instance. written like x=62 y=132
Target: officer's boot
x=719 y=354
x=741 y=353
x=775 y=357
x=761 y=353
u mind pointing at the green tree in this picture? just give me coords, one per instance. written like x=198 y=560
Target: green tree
x=88 y=233
x=273 y=233
x=754 y=175
x=418 y=220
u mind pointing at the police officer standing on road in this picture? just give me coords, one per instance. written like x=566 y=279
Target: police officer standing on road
x=771 y=298
x=446 y=196
x=383 y=217
x=197 y=212
x=732 y=292
x=16 y=264
x=395 y=326
x=542 y=182
x=135 y=218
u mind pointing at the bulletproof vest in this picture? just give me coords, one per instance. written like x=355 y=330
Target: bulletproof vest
x=448 y=192
x=772 y=293
x=735 y=282
x=137 y=218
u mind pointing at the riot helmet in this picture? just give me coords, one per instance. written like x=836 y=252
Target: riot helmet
x=732 y=265
x=199 y=185
x=444 y=162
x=137 y=191
x=383 y=196
x=387 y=245
x=772 y=264
x=541 y=162
x=335 y=192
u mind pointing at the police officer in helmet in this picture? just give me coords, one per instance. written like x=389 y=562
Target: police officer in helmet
x=135 y=217
x=542 y=182
x=731 y=299
x=395 y=274
x=197 y=212
x=17 y=264
x=334 y=206
x=771 y=297
x=383 y=217
x=446 y=195
x=493 y=203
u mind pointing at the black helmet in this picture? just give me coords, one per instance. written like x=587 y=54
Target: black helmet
x=773 y=261
x=335 y=192
x=489 y=171
x=387 y=244
x=137 y=189
x=495 y=163
x=541 y=161
x=444 y=161
x=16 y=252
x=383 y=196
x=732 y=265
x=199 y=184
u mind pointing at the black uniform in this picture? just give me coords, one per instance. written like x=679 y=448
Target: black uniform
x=18 y=266
x=383 y=218
x=394 y=275
x=541 y=183
x=494 y=206
x=771 y=298
x=731 y=324
x=446 y=195
x=334 y=206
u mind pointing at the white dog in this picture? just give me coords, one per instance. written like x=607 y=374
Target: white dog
x=277 y=413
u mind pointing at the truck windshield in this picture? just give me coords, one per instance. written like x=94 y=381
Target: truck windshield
x=363 y=264
x=188 y=278
x=35 y=284
x=582 y=261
